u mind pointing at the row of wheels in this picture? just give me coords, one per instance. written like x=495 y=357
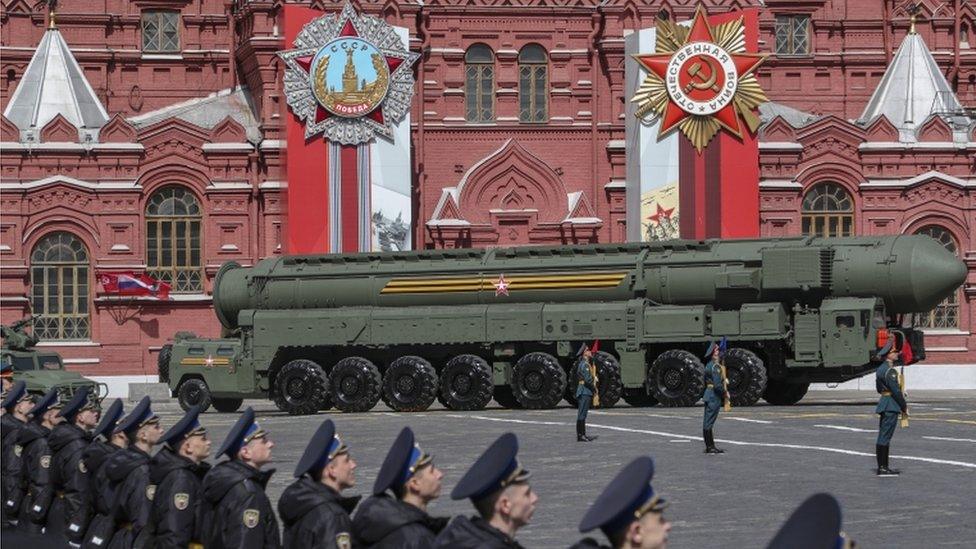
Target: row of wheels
x=539 y=381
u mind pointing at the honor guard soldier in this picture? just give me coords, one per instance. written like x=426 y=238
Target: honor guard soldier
x=890 y=405
x=499 y=489
x=71 y=508
x=17 y=404
x=36 y=465
x=177 y=471
x=105 y=443
x=815 y=524
x=714 y=394
x=242 y=514
x=401 y=520
x=128 y=475
x=585 y=389
x=312 y=508
x=628 y=511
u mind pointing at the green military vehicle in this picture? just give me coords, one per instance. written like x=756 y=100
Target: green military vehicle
x=465 y=325
x=41 y=370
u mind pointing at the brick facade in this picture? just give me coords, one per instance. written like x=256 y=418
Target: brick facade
x=178 y=119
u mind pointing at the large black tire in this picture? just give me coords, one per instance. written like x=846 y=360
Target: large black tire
x=538 y=381
x=747 y=376
x=193 y=392
x=409 y=384
x=608 y=380
x=356 y=384
x=227 y=405
x=783 y=393
x=638 y=397
x=505 y=397
x=300 y=387
x=677 y=378
x=466 y=383
x=162 y=362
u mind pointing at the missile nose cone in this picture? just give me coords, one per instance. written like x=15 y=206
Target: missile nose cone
x=935 y=273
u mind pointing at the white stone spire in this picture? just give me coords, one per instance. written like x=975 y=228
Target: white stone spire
x=54 y=84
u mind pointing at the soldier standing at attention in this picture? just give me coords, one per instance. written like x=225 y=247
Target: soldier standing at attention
x=890 y=405
x=71 y=509
x=177 y=471
x=585 y=390
x=628 y=511
x=313 y=509
x=105 y=442
x=17 y=403
x=714 y=393
x=401 y=521
x=128 y=475
x=35 y=470
x=234 y=489
x=499 y=489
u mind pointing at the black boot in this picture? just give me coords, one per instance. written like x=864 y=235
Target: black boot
x=586 y=436
x=580 y=434
x=884 y=470
x=878 y=456
x=710 y=443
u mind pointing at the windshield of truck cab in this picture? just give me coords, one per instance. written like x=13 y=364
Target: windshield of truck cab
x=49 y=362
x=21 y=363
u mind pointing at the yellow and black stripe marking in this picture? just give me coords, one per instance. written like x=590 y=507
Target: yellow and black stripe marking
x=488 y=283
x=202 y=361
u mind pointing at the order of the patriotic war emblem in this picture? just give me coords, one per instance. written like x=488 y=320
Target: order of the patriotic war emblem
x=349 y=77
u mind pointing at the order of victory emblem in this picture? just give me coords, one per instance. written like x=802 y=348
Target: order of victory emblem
x=349 y=77
x=700 y=80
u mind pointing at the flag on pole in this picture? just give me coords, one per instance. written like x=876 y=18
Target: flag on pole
x=129 y=283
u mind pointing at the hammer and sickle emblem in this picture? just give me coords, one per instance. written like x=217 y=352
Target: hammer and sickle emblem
x=703 y=82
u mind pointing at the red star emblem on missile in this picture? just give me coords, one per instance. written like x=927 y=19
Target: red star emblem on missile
x=501 y=286
x=661 y=213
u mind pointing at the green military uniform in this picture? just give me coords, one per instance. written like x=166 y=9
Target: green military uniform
x=891 y=404
x=584 y=396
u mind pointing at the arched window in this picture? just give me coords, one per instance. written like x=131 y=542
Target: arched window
x=173 y=220
x=945 y=314
x=59 y=287
x=479 y=84
x=533 y=76
x=828 y=211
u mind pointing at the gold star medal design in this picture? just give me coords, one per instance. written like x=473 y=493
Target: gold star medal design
x=700 y=80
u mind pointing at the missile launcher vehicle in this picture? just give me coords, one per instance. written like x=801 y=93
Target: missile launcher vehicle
x=467 y=325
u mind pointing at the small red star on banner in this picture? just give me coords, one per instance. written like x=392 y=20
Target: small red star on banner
x=209 y=362
x=501 y=286
x=661 y=212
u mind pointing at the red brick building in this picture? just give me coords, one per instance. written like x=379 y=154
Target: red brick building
x=168 y=158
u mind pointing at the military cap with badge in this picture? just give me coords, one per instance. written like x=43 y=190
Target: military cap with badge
x=626 y=501
x=110 y=418
x=244 y=430
x=17 y=393
x=403 y=460
x=81 y=401
x=140 y=416
x=815 y=524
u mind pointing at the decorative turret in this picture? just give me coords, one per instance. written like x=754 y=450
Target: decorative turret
x=54 y=84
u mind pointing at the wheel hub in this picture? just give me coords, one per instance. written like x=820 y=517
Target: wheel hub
x=349 y=385
x=461 y=384
x=672 y=379
x=405 y=384
x=295 y=387
x=534 y=382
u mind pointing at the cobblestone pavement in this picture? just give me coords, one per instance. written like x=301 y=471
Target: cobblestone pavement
x=775 y=457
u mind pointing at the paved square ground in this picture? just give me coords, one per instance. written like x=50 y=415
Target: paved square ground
x=775 y=457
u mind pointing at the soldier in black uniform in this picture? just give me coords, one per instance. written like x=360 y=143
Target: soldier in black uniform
x=815 y=524
x=628 y=511
x=400 y=520
x=177 y=471
x=891 y=404
x=71 y=508
x=105 y=442
x=128 y=475
x=17 y=404
x=312 y=508
x=242 y=514
x=36 y=465
x=499 y=489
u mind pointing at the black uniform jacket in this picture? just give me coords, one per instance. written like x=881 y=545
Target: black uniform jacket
x=473 y=533
x=382 y=522
x=35 y=475
x=315 y=515
x=69 y=479
x=588 y=543
x=242 y=513
x=128 y=475
x=102 y=525
x=178 y=511
x=13 y=490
